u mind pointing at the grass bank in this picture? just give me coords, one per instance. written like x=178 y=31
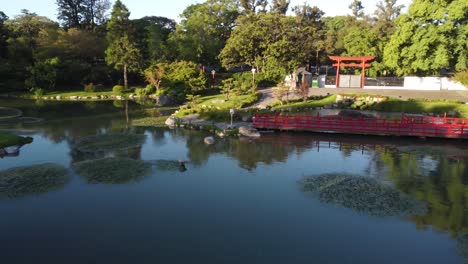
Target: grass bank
x=421 y=106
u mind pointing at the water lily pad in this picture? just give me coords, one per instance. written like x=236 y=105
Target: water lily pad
x=112 y=170
x=363 y=194
x=22 y=181
x=107 y=142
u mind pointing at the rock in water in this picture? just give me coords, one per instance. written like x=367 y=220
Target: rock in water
x=249 y=132
x=209 y=140
x=171 y=121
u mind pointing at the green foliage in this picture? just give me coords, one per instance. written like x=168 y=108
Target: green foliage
x=43 y=74
x=118 y=89
x=204 y=30
x=181 y=78
x=123 y=55
x=260 y=37
x=154 y=74
x=227 y=86
x=152 y=35
x=82 y=13
x=193 y=99
x=432 y=36
x=462 y=77
x=119 y=24
x=38 y=92
x=36 y=179
x=89 y=88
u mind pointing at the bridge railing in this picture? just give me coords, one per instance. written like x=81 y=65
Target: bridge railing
x=406 y=125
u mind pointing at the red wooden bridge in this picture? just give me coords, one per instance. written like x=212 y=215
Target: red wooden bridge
x=407 y=125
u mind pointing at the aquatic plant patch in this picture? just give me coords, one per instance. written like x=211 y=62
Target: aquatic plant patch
x=36 y=179
x=363 y=194
x=107 y=142
x=8 y=139
x=112 y=170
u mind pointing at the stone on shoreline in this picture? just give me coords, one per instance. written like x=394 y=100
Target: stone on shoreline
x=171 y=121
x=249 y=132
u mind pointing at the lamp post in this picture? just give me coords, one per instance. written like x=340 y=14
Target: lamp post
x=253 y=76
x=231 y=112
x=213 y=72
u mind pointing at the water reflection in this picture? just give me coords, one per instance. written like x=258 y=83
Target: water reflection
x=432 y=171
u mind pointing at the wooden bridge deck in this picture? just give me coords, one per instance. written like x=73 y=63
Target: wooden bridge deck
x=407 y=125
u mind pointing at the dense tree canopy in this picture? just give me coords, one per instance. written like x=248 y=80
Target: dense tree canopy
x=432 y=36
x=204 y=30
x=269 y=35
x=82 y=13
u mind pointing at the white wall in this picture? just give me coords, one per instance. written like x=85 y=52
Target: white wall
x=432 y=83
x=422 y=83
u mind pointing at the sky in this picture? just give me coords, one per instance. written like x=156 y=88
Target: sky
x=172 y=9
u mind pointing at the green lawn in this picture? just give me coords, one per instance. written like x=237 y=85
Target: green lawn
x=301 y=105
x=419 y=106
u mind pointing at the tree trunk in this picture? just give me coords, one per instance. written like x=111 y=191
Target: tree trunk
x=125 y=76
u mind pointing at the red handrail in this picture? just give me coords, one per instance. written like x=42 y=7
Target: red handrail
x=408 y=125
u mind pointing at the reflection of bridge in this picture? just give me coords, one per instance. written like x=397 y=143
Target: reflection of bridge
x=407 y=125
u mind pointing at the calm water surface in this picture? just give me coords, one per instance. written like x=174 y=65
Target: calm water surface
x=239 y=201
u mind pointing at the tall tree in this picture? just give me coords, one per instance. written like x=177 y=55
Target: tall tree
x=385 y=14
x=430 y=37
x=250 y=6
x=311 y=39
x=82 y=13
x=123 y=55
x=357 y=9
x=204 y=30
x=95 y=12
x=383 y=27
x=122 y=51
x=268 y=42
x=3 y=35
x=280 y=6
x=119 y=24
x=152 y=34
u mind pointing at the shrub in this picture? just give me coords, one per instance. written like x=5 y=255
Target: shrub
x=118 y=89
x=89 y=88
x=38 y=92
x=462 y=77
x=141 y=92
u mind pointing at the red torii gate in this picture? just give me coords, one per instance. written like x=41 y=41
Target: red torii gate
x=363 y=65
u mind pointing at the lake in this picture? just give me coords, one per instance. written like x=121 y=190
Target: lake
x=237 y=201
